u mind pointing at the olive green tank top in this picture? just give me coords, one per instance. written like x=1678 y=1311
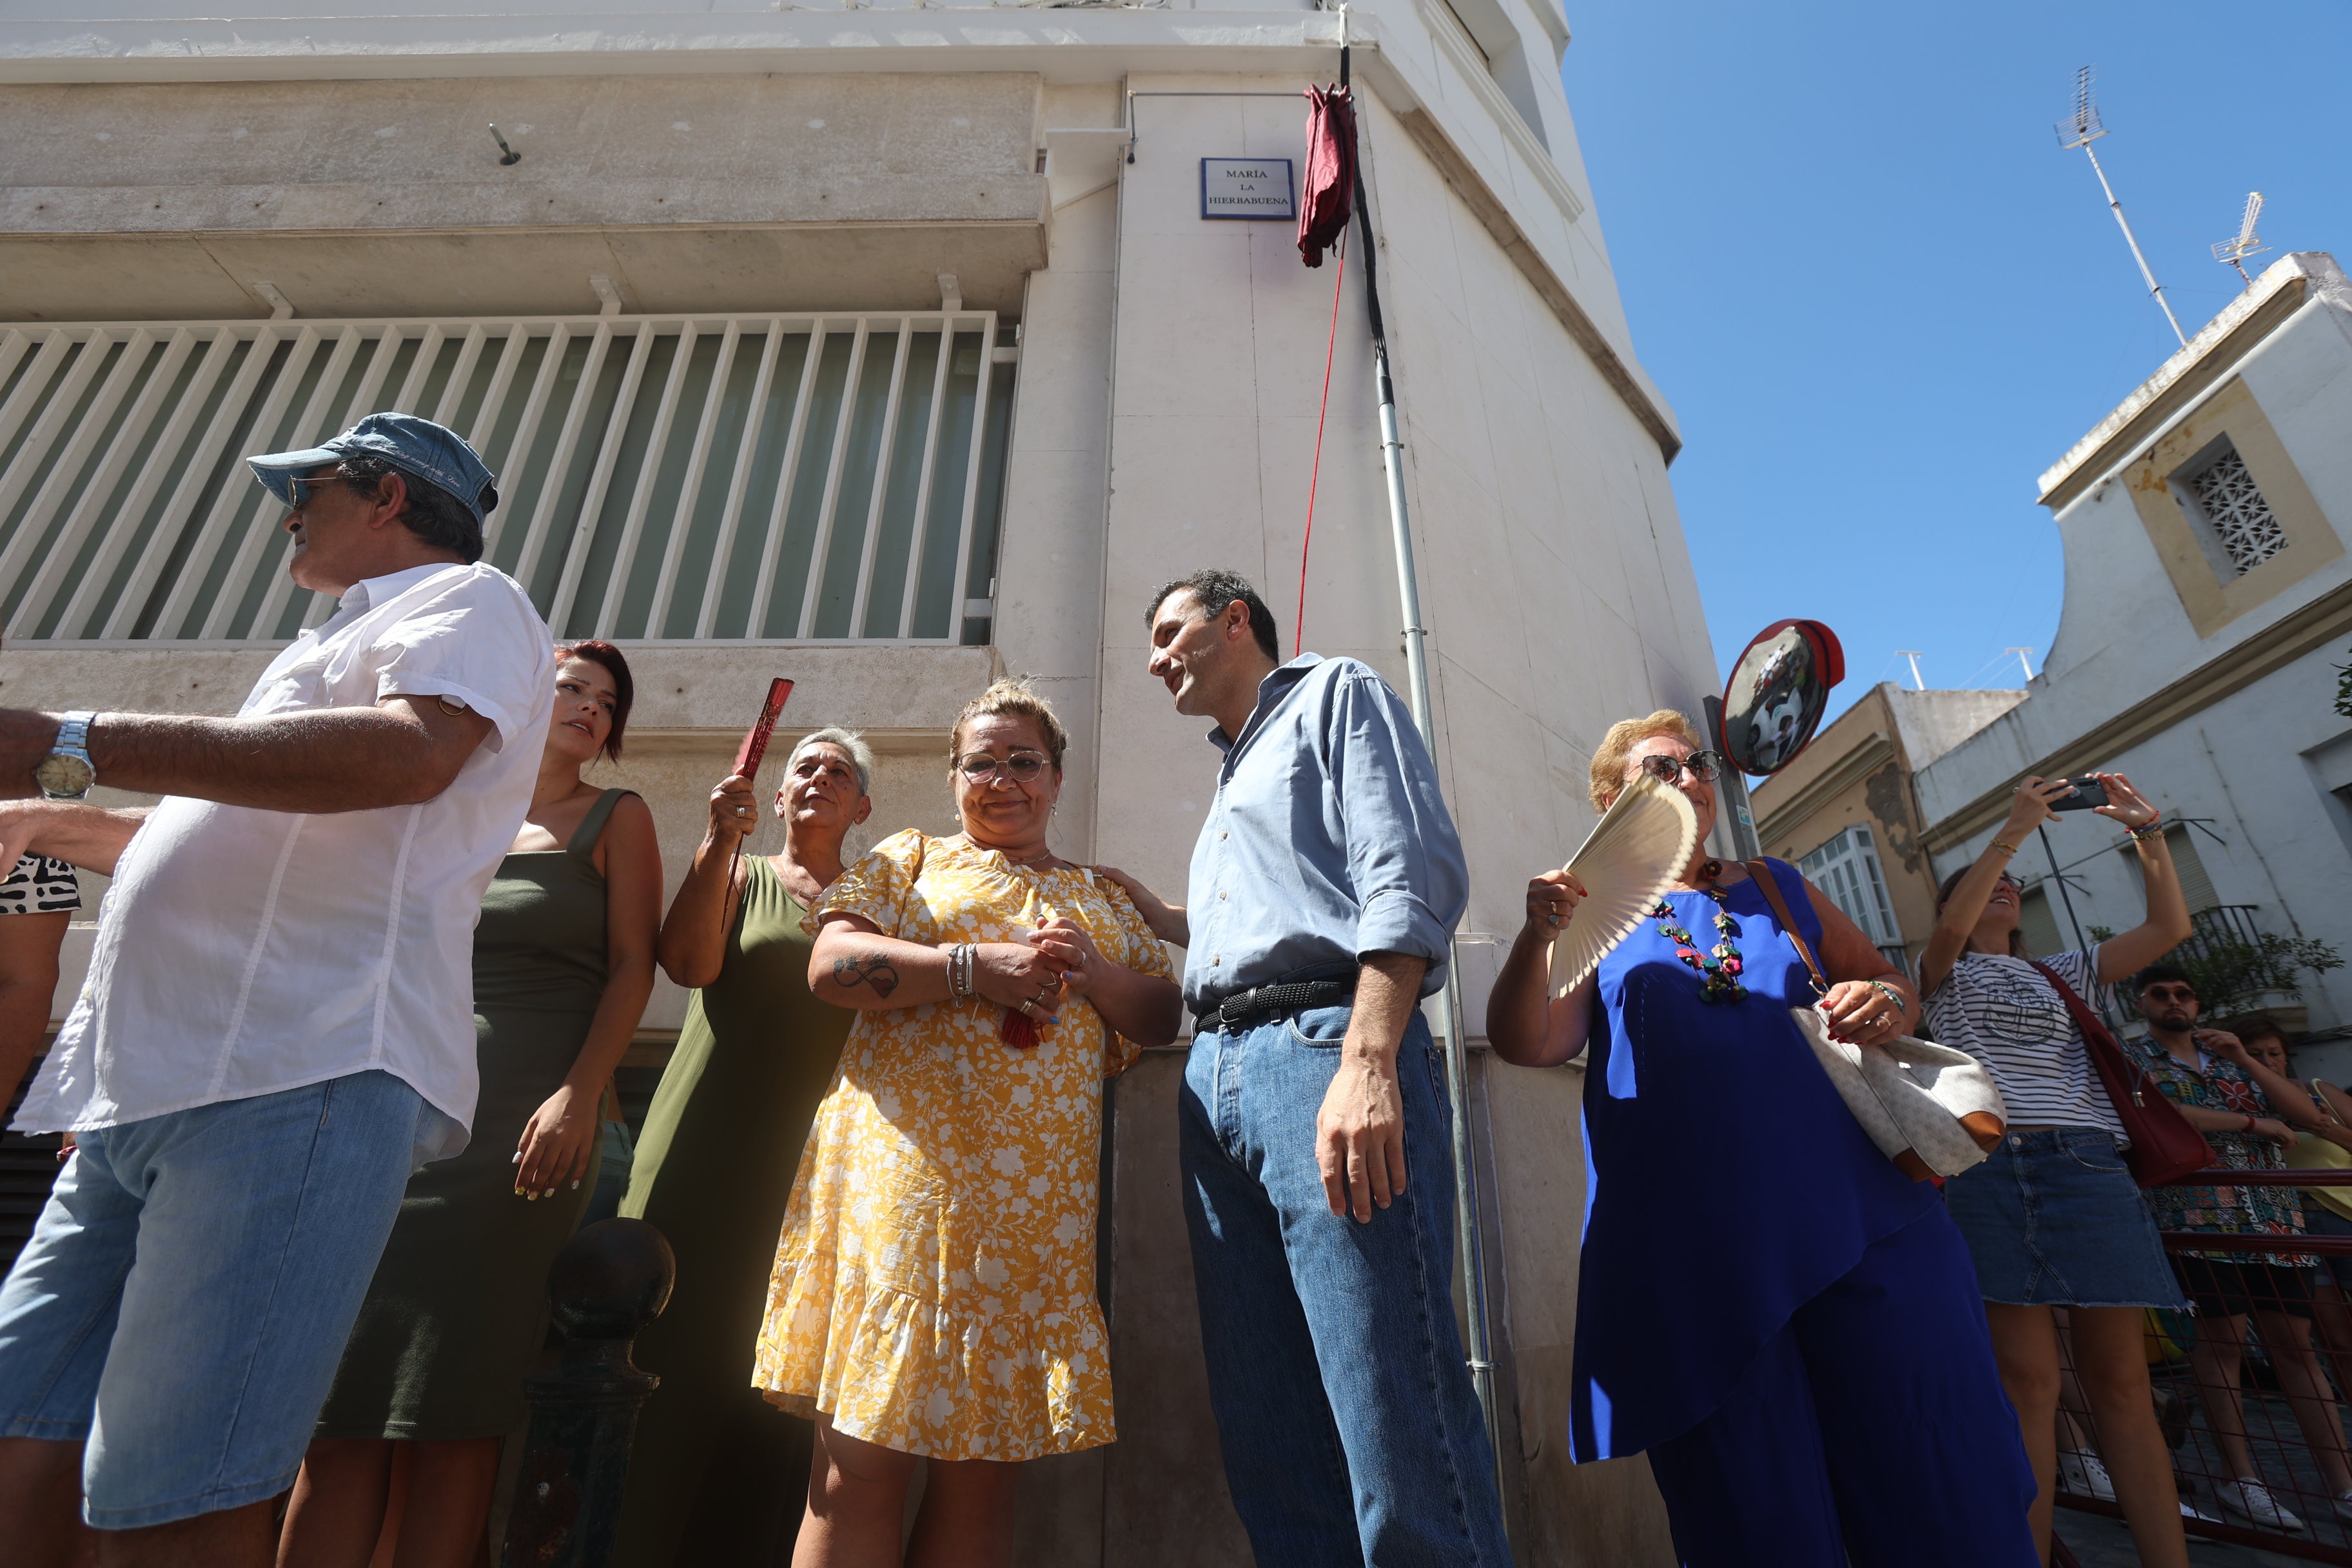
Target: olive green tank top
x=540 y=942
x=754 y=1059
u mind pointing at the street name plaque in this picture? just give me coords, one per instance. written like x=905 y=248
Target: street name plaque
x=1248 y=188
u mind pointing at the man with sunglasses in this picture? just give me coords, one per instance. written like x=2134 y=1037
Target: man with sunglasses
x=1325 y=886
x=278 y=1026
x=2249 y=1115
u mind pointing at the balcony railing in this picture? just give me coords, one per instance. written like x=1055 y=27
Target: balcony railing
x=770 y=477
x=2219 y=957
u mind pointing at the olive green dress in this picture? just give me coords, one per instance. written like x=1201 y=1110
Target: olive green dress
x=717 y=1475
x=458 y=1312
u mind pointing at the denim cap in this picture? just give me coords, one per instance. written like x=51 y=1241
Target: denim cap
x=419 y=447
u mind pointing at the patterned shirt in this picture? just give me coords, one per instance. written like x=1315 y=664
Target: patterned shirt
x=2217 y=1083
x=40 y=885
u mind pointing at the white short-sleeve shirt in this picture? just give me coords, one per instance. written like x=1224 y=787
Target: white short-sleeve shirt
x=242 y=952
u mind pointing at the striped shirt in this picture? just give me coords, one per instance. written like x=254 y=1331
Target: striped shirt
x=2001 y=1011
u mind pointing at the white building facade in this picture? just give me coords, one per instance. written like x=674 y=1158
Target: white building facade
x=2207 y=608
x=888 y=348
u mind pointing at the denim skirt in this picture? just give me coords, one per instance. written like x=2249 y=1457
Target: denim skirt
x=2054 y=1220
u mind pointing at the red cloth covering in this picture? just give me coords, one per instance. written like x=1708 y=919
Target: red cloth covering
x=1328 y=191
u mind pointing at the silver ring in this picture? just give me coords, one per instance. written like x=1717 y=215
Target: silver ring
x=1026 y=1004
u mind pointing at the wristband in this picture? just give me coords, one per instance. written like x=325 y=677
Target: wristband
x=2250 y=1121
x=2152 y=828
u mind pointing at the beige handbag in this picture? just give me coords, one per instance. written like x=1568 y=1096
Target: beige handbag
x=1933 y=1110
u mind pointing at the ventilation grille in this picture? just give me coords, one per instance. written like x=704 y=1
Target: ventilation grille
x=2240 y=519
x=762 y=477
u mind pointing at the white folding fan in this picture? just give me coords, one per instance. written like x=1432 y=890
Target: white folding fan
x=1628 y=860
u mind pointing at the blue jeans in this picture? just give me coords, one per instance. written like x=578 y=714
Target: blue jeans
x=1351 y=1432
x=189 y=1288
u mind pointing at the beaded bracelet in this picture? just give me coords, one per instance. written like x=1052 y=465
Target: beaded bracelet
x=1894 y=997
x=2152 y=828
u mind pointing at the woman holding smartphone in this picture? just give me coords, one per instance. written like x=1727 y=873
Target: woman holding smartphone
x=2052 y=1216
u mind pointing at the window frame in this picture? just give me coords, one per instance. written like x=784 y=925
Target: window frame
x=2210 y=589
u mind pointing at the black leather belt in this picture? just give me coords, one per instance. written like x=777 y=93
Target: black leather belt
x=1259 y=1004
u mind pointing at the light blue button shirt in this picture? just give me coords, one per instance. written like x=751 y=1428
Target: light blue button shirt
x=1328 y=841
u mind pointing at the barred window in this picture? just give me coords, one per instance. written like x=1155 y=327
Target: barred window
x=2235 y=509
x=820 y=478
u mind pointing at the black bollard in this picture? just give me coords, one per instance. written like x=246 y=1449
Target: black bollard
x=609 y=1281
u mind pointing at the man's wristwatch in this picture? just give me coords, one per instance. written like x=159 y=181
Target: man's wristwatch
x=66 y=773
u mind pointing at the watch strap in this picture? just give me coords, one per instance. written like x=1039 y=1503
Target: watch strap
x=73 y=734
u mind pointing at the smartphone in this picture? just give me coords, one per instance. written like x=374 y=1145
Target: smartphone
x=2088 y=792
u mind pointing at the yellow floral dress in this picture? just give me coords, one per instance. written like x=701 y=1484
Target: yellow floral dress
x=934 y=1289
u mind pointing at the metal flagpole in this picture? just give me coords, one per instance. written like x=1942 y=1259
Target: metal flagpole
x=1466 y=1230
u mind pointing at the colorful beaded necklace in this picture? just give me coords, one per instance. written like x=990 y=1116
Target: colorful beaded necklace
x=1721 y=970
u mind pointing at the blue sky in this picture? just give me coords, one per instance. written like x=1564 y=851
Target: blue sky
x=1882 y=299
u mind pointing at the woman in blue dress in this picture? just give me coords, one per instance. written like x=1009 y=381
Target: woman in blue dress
x=1808 y=1368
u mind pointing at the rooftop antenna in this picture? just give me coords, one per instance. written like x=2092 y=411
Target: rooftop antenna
x=1913 y=655
x=2080 y=130
x=2234 y=252
x=2027 y=664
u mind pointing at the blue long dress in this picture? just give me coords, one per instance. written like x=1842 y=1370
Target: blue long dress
x=1728 y=1184
x=1787 y=1323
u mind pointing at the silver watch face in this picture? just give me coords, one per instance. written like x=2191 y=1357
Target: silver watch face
x=61 y=776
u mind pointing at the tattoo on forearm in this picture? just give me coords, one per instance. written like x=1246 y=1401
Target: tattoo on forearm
x=871 y=969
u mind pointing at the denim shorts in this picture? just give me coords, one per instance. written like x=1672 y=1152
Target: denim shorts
x=2054 y=1219
x=189 y=1288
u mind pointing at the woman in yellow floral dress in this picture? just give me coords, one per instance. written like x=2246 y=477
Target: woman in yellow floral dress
x=934 y=1290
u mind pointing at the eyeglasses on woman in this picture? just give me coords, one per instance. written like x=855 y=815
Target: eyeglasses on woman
x=1022 y=767
x=1704 y=766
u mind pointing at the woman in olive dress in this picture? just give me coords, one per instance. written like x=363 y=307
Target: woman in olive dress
x=714 y=1473
x=431 y=1384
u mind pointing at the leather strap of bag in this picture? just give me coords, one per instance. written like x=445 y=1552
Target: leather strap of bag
x=2163 y=1145
x=1771 y=888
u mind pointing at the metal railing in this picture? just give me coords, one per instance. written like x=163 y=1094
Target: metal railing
x=2275 y=1431
x=831 y=477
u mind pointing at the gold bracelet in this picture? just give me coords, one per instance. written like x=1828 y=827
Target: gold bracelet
x=2004 y=846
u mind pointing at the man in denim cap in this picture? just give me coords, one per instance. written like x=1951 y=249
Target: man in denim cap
x=278 y=1026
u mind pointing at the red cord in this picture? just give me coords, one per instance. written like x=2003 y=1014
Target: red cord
x=1298 y=642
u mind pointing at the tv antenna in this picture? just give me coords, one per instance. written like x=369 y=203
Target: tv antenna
x=1913 y=655
x=2234 y=252
x=2023 y=662
x=2080 y=130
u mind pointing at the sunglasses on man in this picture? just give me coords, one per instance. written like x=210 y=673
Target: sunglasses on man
x=299 y=490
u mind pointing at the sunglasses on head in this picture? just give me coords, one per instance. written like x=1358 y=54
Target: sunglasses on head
x=1702 y=765
x=1021 y=766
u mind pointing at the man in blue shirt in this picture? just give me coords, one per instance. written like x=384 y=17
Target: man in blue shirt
x=1315 y=1141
